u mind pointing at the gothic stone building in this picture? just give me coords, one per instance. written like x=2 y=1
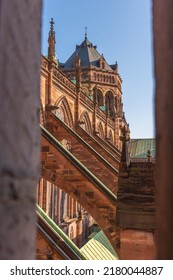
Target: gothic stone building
x=85 y=160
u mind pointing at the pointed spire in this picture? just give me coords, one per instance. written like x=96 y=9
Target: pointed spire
x=52 y=42
x=86 y=37
x=149 y=155
x=52 y=32
x=125 y=159
x=116 y=67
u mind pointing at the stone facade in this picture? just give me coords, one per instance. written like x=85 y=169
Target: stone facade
x=162 y=17
x=135 y=216
x=83 y=155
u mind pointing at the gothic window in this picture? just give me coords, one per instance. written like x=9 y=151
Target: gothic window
x=64 y=112
x=44 y=198
x=63 y=205
x=110 y=104
x=55 y=210
x=100 y=98
x=110 y=136
x=49 y=199
x=83 y=125
x=100 y=131
x=60 y=114
x=109 y=100
x=85 y=122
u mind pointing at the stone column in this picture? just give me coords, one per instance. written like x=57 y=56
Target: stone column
x=163 y=66
x=116 y=132
x=106 y=126
x=78 y=90
x=20 y=32
x=94 y=119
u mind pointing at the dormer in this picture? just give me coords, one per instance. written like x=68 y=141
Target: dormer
x=102 y=62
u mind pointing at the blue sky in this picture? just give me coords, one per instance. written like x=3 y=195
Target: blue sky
x=122 y=31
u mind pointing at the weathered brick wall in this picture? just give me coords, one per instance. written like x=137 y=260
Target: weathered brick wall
x=136 y=211
x=98 y=145
x=137 y=245
x=44 y=250
x=107 y=175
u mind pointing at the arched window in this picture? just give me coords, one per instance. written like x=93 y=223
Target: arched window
x=85 y=122
x=101 y=131
x=110 y=136
x=110 y=104
x=100 y=98
x=54 y=209
x=60 y=114
x=49 y=199
x=64 y=112
x=63 y=205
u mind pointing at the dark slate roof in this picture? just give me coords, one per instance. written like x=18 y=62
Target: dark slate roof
x=139 y=147
x=87 y=54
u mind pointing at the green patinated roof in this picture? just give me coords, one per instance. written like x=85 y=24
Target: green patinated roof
x=139 y=147
x=103 y=108
x=59 y=232
x=98 y=248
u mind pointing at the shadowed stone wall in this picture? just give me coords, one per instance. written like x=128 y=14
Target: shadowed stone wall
x=163 y=66
x=135 y=214
x=20 y=26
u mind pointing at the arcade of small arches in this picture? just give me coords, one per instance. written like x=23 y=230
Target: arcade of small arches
x=104 y=78
x=63 y=112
